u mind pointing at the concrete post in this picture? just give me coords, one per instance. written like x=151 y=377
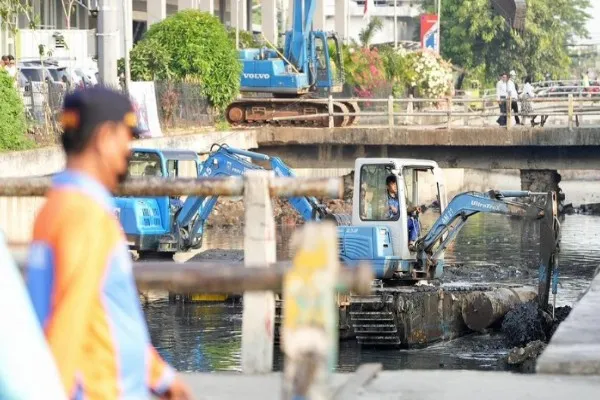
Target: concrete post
x=269 y=20
x=156 y=11
x=289 y=11
x=187 y=4
x=309 y=334
x=259 y=250
x=319 y=21
x=108 y=44
x=342 y=8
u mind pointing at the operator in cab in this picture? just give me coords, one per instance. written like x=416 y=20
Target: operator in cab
x=394 y=211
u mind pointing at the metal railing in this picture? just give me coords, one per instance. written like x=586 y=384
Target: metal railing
x=452 y=112
x=309 y=284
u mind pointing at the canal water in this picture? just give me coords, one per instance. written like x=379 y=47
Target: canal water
x=489 y=248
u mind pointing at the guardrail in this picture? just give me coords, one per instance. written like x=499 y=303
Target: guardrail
x=309 y=284
x=448 y=112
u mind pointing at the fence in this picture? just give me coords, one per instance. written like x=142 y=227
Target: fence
x=309 y=330
x=452 y=112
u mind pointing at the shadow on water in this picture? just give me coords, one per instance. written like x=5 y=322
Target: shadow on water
x=492 y=248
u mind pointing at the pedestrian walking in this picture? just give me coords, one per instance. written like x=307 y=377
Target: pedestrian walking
x=27 y=368
x=501 y=95
x=80 y=271
x=526 y=106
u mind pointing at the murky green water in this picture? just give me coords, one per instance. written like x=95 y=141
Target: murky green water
x=489 y=248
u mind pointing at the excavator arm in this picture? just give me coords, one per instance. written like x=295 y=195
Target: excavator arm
x=229 y=161
x=465 y=205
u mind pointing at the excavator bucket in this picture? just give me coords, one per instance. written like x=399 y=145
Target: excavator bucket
x=549 y=247
x=514 y=11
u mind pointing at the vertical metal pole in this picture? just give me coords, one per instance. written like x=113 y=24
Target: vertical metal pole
x=571 y=111
x=126 y=22
x=107 y=42
x=439 y=31
x=391 y=111
x=395 y=24
x=330 y=111
x=258 y=319
x=237 y=24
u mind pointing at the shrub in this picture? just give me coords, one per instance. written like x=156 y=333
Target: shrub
x=191 y=44
x=367 y=73
x=247 y=39
x=12 y=116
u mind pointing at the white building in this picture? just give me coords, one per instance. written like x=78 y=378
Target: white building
x=79 y=42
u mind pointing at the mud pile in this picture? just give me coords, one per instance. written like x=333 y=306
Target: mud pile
x=231 y=213
x=529 y=329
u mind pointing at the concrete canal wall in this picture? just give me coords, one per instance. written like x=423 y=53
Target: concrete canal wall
x=17 y=214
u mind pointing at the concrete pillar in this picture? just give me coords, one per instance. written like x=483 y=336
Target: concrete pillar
x=342 y=7
x=269 y=20
x=156 y=11
x=238 y=14
x=542 y=180
x=288 y=11
x=108 y=38
x=207 y=6
x=319 y=21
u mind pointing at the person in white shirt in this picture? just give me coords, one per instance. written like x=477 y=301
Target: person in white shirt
x=514 y=95
x=501 y=95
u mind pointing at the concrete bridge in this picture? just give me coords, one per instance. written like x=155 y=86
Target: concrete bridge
x=537 y=152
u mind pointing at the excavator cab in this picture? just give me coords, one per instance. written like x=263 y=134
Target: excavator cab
x=388 y=193
x=146 y=220
x=326 y=67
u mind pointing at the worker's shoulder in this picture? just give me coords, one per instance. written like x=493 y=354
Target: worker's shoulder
x=72 y=210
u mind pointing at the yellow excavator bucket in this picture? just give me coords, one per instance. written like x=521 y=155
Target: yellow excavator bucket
x=514 y=11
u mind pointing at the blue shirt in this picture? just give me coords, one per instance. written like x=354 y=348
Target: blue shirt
x=27 y=368
x=413 y=229
x=393 y=202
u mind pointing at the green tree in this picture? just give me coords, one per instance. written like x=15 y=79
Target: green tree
x=474 y=36
x=190 y=44
x=12 y=116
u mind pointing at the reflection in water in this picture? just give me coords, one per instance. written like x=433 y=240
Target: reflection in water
x=490 y=247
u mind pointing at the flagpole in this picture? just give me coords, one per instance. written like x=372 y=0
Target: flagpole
x=439 y=30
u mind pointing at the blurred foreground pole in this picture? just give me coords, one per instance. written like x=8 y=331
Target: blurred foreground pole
x=258 y=320
x=310 y=315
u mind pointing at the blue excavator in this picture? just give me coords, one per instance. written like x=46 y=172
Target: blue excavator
x=402 y=258
x=305 y=69
x=163 y=225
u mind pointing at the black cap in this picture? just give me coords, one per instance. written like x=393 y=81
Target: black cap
x=85 y=109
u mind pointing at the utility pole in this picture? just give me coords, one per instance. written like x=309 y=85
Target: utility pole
x=126 y=22
x=107 y=42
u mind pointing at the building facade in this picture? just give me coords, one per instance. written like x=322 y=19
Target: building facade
x=76 y=38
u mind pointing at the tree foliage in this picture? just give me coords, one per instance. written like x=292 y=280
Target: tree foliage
x=247 y=40
x=190 y=44
x=12 y=116
x=473 y=36
x=10 y=10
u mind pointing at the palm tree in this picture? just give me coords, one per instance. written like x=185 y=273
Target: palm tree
x=366 y=35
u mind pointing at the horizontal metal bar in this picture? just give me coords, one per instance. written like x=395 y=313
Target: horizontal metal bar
x=233 y=186
x=233 y=278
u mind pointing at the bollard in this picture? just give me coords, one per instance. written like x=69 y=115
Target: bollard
x=259 y=250
x=309 y=331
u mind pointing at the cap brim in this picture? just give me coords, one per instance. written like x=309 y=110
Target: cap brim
x=137 y=133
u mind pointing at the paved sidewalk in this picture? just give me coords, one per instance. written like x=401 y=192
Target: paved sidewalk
x=410 y=384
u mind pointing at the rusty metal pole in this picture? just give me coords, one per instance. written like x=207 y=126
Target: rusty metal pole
x=232 y=186
x=310 y=319
x=259 y=250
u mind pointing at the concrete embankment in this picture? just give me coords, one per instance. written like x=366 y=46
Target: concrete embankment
x=17 y=214
x=408 y=384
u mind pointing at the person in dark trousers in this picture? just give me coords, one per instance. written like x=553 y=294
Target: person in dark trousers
x=513 y=92
x=501 y=94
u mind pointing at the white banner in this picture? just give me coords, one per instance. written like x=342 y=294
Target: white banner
x=143 y=97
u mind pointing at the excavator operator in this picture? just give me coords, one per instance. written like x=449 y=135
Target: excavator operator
x=394 y=211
